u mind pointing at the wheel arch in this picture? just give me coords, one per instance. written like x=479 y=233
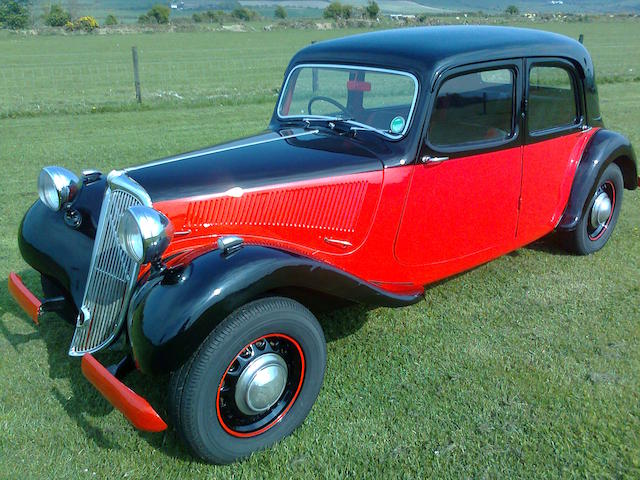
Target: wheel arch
x=171 y=313
x=604 y=147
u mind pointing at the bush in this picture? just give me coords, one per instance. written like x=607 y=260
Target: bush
x=57 y=16
x=88 y=24
x=157 y=14
x=13 y=15
x=197 y=17
x=372 y=9
x=111 y=20
x=280 y=12
x=68 y=26
x=214 y=16
x=338 y=11
x=244 y=14
x=512 y=10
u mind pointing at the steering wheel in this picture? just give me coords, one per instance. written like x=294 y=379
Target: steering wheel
x=330 y=100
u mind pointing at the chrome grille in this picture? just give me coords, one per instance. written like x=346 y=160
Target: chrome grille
x=112 y=274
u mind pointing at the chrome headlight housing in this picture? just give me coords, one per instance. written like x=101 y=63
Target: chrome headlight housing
x=144 y=233
x=57 y=186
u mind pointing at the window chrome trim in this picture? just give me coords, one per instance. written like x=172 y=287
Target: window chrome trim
x=353 y=67
x=482 y=146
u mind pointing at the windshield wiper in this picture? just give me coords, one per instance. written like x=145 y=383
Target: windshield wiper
x=352 y=125
x=369 y=128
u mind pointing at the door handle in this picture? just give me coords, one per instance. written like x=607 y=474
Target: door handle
x=430 y=159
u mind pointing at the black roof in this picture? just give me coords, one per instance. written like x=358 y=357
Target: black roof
x=424 y=50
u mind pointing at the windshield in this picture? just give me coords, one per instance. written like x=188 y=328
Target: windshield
x=368 y=98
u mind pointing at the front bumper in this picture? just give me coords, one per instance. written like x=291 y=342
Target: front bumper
x=23 y=297
x=135 y=408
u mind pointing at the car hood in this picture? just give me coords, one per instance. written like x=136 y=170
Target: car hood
x=269 y=158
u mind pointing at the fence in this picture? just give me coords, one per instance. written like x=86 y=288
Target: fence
x=83 y=73
x=102 y=76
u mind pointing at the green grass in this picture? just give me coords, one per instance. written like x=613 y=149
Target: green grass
x=527 y=367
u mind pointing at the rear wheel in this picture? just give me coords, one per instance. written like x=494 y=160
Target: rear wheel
x=251 y=383
x=600 y=216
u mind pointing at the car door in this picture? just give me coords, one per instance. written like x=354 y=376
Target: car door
x=462 y=204
x=553 y=128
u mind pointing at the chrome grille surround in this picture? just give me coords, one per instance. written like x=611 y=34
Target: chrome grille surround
x=112 y=274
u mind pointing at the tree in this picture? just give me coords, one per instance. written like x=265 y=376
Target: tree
x=14 y=15
x=214 y=16
x=157 y=14
x=57 y=16
x=512 y=10
x=111 y=20
x=338 y=11
x=244 y=14
x=280 y=12
x=372 y=9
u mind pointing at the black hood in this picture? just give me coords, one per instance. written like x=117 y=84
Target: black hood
x=266 y=159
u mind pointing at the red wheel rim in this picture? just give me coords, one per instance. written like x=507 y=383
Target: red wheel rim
x=232 y=421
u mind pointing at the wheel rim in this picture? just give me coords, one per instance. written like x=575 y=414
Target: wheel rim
x=602 y=208
x=260 y=385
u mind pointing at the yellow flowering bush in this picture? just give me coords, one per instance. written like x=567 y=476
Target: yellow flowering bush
x=68 y=26
x=87 y=24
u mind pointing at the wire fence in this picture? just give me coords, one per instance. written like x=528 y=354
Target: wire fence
x=59 y=82
x=78 y=74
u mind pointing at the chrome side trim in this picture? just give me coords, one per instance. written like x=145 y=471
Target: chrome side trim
x=86 y=338
x=339 y=243
x=219 y=150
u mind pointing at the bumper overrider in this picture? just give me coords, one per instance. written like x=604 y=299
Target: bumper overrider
x=69 y=254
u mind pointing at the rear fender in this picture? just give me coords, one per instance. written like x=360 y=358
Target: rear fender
x=174 y=311
x=603 y=148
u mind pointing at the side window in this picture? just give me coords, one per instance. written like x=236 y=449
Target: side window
x=552 y=99
x=473 y=108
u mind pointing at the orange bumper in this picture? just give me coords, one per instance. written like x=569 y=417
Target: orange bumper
x=133 y=406
x=23 y=296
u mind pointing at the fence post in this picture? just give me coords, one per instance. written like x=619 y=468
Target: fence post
x=136 y=73
x=581 y=38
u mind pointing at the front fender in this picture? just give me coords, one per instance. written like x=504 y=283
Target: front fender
x=173 y=312
x=605 y=146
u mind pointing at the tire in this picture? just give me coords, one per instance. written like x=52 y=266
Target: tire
x=590 y=235
x=210 y=404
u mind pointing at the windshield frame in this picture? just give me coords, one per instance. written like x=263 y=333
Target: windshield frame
x=388 y=135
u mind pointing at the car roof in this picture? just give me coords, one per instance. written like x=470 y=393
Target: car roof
x=425 y=50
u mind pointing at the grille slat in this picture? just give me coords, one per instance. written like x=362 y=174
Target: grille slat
x=111 y=275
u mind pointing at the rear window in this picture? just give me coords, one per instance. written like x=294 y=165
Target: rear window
x=473 y=108
x=552 y=99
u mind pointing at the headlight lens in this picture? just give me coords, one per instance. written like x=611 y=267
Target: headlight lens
x=144 y=233
x=57 y=186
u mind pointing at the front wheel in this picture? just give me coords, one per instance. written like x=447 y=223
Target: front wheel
x=600 y=216
x=251 y=383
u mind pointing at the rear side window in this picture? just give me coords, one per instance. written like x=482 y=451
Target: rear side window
x=552 y=99
x=473 y=108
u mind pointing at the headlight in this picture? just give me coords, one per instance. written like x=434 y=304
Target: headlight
x=144 y=233
x=57 y=186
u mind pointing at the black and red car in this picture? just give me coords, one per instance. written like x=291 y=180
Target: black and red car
x=393 y=159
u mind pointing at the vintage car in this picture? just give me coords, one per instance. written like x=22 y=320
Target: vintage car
x=393 y=159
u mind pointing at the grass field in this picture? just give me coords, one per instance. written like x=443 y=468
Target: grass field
x=527 y=367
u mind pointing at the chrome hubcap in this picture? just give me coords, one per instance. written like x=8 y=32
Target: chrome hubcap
x=261 y=384
x=601 y=210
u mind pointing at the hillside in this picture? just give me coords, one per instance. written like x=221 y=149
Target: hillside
x=128 y=11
